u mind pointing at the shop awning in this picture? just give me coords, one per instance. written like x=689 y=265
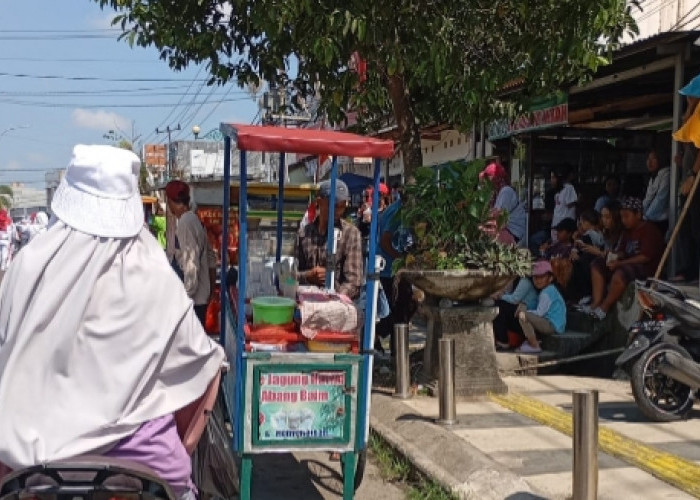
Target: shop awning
x=305 y=141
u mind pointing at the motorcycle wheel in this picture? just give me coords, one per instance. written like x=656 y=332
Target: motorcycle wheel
x=660 y=398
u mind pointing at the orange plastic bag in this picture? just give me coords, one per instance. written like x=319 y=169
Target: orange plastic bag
x=211 y=320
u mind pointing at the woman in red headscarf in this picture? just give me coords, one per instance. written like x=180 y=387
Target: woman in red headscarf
x=505 y=199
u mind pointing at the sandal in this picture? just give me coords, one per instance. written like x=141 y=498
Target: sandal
x=526 y=348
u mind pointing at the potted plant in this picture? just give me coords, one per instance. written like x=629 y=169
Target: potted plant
x=455 y=254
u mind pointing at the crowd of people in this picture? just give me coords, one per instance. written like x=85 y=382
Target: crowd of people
x=16 y=235
x=587 y=258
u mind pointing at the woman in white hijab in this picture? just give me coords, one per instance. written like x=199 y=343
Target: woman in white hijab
x=99 y=345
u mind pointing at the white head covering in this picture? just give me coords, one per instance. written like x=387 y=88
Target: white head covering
x=99 y=194
x=97 y=336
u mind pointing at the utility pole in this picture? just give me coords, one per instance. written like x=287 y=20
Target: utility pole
x=168 y=130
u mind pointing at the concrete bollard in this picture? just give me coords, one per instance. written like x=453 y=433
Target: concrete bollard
x=446 y=392
x=585 y=443
x=403 y=376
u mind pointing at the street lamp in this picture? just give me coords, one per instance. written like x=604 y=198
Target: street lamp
x=196 y=130
x=10 y=129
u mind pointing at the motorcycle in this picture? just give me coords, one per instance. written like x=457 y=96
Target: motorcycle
x=85 y=478
x=662 y=357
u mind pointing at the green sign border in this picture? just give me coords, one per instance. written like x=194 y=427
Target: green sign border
x=298 y=368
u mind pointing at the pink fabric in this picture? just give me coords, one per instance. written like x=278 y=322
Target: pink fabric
x=192 y=419
x=157 y=445
x=4 y=470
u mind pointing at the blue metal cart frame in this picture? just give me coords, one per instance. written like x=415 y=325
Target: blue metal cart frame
x=352 y=373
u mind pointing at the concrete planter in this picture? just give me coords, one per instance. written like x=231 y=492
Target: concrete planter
x=462 y=285
x=470 y=325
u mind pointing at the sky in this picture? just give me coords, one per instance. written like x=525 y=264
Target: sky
x=66 y=79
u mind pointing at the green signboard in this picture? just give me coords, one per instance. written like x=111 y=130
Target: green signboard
x=549 y=111
x=294 y=404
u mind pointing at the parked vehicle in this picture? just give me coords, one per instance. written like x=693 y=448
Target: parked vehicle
x=663 y=353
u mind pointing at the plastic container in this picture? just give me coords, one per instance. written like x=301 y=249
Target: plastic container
x=272 y=310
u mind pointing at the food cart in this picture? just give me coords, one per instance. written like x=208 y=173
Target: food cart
x=282 y=402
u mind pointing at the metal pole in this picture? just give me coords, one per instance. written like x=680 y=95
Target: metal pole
x=585 y=442
x=403 y=379
x=446 y=392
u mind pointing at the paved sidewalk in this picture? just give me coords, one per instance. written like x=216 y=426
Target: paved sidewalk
x=496 y=451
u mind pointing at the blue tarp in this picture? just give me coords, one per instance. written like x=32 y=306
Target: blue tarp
x=356 y=183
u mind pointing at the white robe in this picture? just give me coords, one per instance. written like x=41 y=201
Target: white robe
x=97 y=337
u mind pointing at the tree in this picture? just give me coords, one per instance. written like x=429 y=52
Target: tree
x=427 y=61
x=6 y=197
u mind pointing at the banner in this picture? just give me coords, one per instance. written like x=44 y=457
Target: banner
x=302 y=406
x=545 y=113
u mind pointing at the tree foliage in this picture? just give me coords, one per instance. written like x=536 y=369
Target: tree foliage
x=6 y=197
x=427 y=60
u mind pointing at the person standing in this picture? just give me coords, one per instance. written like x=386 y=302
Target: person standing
x=505 y=199
x=564 y=200
x=113 y=343
x=688 y=137
x=311 y=245
x=192 y=260
x=612 y=193
x=656 y=199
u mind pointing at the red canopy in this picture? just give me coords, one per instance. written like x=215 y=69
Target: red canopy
x=306 y=141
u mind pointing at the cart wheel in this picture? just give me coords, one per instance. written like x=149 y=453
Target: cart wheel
x=360 y=467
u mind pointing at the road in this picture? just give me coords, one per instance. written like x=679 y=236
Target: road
x=312 y=476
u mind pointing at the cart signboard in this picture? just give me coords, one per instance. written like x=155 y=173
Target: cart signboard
x=307 y=405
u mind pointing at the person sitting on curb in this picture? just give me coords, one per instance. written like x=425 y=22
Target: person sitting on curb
x=636 y=257
x=549 y=317
x=508 y=303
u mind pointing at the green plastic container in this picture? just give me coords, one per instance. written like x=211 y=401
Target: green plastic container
x=272 y=310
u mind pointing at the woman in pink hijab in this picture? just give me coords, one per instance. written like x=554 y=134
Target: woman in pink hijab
x=505 y=199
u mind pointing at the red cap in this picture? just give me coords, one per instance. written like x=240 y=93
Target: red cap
x=177 y=191
x=492 y=171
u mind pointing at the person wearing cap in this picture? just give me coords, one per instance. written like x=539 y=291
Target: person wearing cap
x=99 y=344
x=636 y=257
x=549 y=317
x=688 y=137
x=505 y=199
x=193 y=258
x=312 y=239
x=564 y=243
x=655 y=203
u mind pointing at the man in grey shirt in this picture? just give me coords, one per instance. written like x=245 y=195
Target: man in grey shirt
x=193 y=259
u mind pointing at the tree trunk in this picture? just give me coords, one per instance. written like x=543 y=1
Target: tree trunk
x=408 y=129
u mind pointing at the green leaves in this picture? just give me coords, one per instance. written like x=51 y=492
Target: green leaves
x=453 y=58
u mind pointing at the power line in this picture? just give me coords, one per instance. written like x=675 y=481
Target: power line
x=94 y=94
x=93 y=78
x=149 y=137
x=41 y=104
x=76 y=60
x=96 y=91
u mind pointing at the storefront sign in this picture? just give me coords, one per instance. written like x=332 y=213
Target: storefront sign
x=301 y=406
x=543 y=114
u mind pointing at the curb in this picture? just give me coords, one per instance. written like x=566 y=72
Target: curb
x=437 y=453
